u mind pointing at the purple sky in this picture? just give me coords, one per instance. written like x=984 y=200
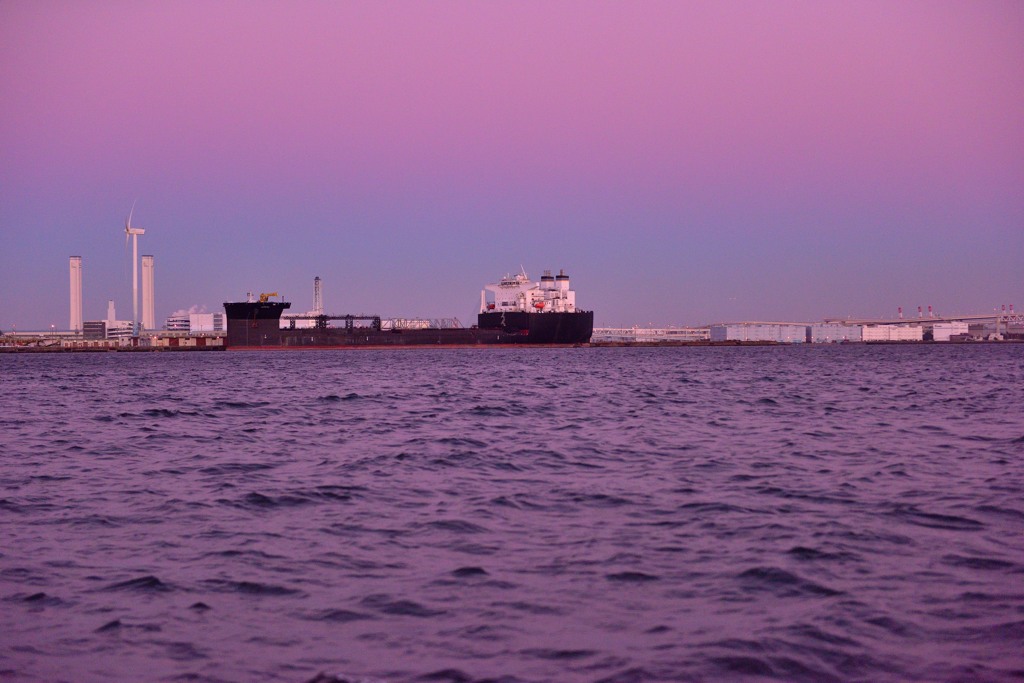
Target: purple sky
x=685 y=162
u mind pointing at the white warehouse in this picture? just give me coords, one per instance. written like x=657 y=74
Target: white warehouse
x=893 y=333
x=782 y=333
x=830 y=333
x=942 y=332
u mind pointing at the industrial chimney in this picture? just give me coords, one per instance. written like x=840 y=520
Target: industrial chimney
x=148 y=315
x=76 y=294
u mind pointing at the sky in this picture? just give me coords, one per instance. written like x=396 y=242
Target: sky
x=684 y=162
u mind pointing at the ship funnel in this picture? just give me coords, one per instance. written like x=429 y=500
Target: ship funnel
x=562 y=281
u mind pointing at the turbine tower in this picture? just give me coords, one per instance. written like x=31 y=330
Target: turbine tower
x=134 y=233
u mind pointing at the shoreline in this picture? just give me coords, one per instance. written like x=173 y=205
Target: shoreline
x=382 y=347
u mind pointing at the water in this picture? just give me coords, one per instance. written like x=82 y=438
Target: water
x=686 y=514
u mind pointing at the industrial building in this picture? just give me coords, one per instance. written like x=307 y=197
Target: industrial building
x=877 y=333
x=196 y=322
x=187 y=342
x=650 y=335
x=107 y=329
x=781 y=333
x=91 y=343
x=94 y=329
x=945 y=332
x=833 y=333
x=177 y=322
x=207 y=322
x=168 y=342
x=111 y=328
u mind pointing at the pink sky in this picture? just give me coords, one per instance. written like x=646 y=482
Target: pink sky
x=682 y=125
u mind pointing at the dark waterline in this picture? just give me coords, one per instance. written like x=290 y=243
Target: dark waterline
x=685 y=514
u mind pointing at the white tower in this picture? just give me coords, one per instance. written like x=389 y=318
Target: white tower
x=134 y=233
x=318 y=300
x=148 y=317
x=76 y=294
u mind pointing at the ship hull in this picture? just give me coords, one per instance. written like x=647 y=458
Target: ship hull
x=542 y=328
x=257 y=325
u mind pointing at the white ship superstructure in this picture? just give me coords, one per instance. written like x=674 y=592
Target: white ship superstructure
x=517 y=293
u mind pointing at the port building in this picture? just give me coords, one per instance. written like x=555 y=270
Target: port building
x=945 y=332
x=780 y=333
x=94 y=329
x=650 y=335
x=834 y=333
x=877 y=333
x=107 y=329
x=111 y=328
x=196 y=322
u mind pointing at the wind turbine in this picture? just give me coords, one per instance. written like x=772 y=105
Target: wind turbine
x=134 y=233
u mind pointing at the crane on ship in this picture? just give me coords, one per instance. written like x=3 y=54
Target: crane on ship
x=265 y=296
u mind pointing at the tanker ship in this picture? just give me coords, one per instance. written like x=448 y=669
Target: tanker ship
x=513 y=311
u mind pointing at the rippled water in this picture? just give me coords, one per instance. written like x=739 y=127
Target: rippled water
x=795 y=514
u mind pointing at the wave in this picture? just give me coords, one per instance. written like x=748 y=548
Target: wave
x=249 y=588
x=782 y=583
x=932 y=520
x=144 y=584
x=631 y=577
x=385 y=604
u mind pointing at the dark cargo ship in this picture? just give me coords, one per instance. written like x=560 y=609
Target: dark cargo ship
x=513 y=311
